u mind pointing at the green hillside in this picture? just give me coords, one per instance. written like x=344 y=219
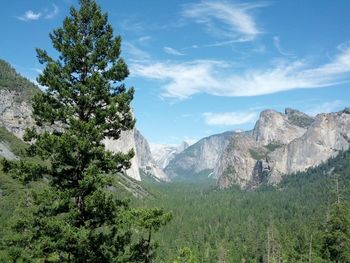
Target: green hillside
x=11 y=80
x=237 y=226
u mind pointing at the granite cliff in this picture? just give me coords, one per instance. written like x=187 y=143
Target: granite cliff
x=281 y=144
x=199 y=157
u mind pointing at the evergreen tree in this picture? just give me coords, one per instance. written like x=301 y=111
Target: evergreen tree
x=76 y=219
x=336 y=238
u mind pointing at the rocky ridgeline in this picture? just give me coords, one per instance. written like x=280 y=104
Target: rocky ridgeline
x=163 y=154
x=199 y=157
x=282 y=144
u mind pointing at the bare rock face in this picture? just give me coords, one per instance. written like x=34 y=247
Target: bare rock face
x=6 y=152
x=231 y=167
x=15 y=114
x=133 y=139
x=145 y=158
x=201 y=156
x=328 y=134
x=282 y=144
x=126 y=143
x=163 y=154
x=275 y=127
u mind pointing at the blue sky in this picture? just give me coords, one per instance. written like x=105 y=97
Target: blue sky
x=204 y=67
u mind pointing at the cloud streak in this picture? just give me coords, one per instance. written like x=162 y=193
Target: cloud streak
x=30 y=15
x=172 y=51
x=326 y=107
x=183 y=80
x=53 y=13
x=232 y=21
x=229 y=118
x=278 y=46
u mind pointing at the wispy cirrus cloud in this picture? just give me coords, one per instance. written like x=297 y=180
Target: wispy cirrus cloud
x=135 y=52
x=280 y=49
x=173 y=51
x=182 y=80
x=51 y=14
x=329 y=106
x=230 y=118
x=31 y=15
x=232 y=21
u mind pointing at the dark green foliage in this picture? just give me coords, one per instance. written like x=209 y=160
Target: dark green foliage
x=17 y=146
x=11 y=80
x=273 y=146
x=257 y=154
x=186 y=256
x=336 y=239
x=75 y=218
x=298 y=118
x=234 y=225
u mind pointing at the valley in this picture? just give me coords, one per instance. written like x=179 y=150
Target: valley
x=214 y=132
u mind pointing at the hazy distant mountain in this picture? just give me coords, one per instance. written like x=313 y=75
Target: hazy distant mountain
x=199 y=157
x=163 y=154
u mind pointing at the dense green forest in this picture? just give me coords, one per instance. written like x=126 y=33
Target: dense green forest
x=239 y=226
x=68 y=199
x=224 y=225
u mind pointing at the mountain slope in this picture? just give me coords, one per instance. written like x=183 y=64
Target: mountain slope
x=16 y=93
x=199 y=157
x=282 y=144
x=163 y=154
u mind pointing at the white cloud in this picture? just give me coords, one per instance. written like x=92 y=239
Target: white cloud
x=135 y=52
x=330 y=106
x=47 y=14
x=232 y=21
x=277 y=44
x=172 y=51
x=53 y=13
x=182 y=80
x=230 y=118
x=144 y=39
x=30 y=15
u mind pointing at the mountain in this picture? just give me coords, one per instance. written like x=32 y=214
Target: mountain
x=199 y=157
x=282 y=144
x=16 y=93
x=163 y=154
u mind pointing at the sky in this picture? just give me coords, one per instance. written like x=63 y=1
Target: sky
x=205 y=67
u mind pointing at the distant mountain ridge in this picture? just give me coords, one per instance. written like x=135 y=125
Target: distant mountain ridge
x=282 y=144
x=279 y=144
x=163 y=154
x=199 y=157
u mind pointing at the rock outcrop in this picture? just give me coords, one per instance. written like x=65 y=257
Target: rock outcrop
x=201 y=156
x=282 y=144
x=15 y=114
x=163 y=154
x=5 y=151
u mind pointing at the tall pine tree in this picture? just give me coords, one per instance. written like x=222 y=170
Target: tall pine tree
x=76 y=219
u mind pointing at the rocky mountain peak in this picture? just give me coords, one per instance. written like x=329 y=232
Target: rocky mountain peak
x=275 y=127
x=298 y=118
x=283 y=144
